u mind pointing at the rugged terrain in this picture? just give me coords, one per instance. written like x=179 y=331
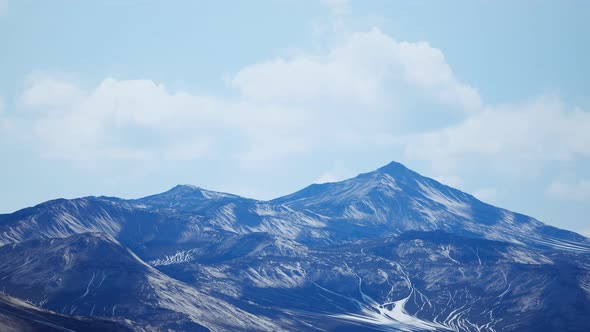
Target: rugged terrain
x=387 y=250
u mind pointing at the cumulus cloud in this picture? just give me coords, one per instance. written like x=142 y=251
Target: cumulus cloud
x=327 y=177
x=337 y=173
x=364 y=69
x=48 y=92
x=351 y=94
x=143 y=120
x=578 y=191
x=515 y=137
x=133 y=119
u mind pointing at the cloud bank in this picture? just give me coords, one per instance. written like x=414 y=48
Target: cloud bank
x=352 y=93
x=365 y=92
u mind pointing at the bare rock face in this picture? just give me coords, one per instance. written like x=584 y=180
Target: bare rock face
x=386 y=250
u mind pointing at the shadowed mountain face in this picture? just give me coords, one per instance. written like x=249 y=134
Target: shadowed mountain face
x=16 y=315
x=387 y=250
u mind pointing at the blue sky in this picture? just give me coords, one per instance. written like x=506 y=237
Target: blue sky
x=261 y=98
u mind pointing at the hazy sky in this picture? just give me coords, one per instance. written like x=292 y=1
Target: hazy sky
x=261 y=98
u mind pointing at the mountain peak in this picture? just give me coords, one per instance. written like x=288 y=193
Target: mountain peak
x=388 y=175
x=185 y=188
x=394 y=169
x=191 y=190
x=185 y=196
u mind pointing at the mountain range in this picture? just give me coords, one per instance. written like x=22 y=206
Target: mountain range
x=388 y=250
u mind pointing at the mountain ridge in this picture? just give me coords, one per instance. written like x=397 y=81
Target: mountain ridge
x=392 y=196
x=387 y=250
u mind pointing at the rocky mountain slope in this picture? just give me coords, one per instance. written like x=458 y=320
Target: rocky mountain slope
x=384 y=251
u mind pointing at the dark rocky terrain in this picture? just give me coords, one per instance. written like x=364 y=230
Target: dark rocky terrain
x=387 y=250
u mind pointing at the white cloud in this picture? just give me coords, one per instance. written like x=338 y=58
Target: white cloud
x=577 y=191
x=134 y=119
x=363 y=69
x=48 y=92
x=351 y=94
x=143 y=120
x=336 y=174
x=327 y=177
x=518 y=137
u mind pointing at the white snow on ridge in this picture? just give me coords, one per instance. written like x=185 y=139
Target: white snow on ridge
x=265 y=209
x=214 y=194
x=562 y=244
x=352 y=190
x=202 y=308
x=388 y=316
x=508 y=217
x=181 y=256
x=452 y=204
x=283 y=276
x=64 y=224
x=225 y=218
x=523 y=256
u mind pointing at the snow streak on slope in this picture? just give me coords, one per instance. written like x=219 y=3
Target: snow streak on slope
x=100 y=265
x=181 y=256
x=386 y=250
x=67 y=218
x=451 y=203
x=390 y=315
